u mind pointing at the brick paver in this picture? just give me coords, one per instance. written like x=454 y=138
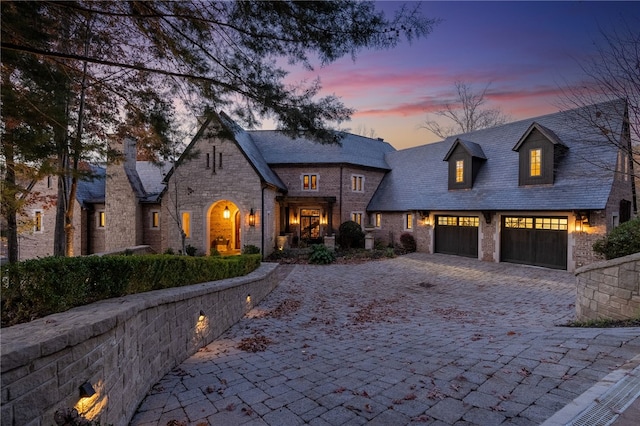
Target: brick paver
x=421 y=338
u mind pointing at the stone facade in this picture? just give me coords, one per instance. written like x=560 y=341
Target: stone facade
x=219 y=177
x=609 y=289
x=34 y=241
x=120 y=346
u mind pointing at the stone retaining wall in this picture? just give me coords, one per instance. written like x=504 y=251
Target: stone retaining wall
x=121 y=346
x=609 y=289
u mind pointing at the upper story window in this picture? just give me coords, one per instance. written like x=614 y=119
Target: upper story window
x=310 y=182
x=37 y=221
x=357 y=183
x=540 y=152
x=459 y=171
x=465 y=159
x=535 y=162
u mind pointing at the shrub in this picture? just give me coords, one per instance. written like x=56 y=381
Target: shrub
x=190 y=250
x=250 y=249
x=321 y=255
x=40 y=287
x=408 y=242
x=350 y=235
x=622 y=241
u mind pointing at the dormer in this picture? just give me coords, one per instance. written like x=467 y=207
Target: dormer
x=540 y=151
x=465 y=159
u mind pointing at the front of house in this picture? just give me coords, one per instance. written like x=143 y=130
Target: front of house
x=535 y=191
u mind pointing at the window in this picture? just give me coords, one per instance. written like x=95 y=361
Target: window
x=459 y=171
x=468 y=221
x=549 y=223
x=37 y=221
x=378 y=220
x=357 y=183
x=186 y=224
x=208 y=160
x=471 y=221
x=408 y=223
x=535 y=162
x=309 y=182
x=102 y=219
x=357 y=217
x=49 y=181
x=155 y=219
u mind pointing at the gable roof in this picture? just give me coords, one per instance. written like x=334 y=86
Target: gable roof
x=418 y=180
x=252 y=153
x=472 y=148
x=92 y=191
x=279 y=149
x=548 y=133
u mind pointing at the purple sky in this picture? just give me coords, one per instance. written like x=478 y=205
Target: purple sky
x=527 y=51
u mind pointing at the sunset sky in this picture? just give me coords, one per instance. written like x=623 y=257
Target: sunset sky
x=526 y=51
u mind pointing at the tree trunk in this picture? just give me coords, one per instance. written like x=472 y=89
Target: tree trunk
x=10 y=204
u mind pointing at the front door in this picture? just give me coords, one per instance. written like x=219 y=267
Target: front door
x=309 y=225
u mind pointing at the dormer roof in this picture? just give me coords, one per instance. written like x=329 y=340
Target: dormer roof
x=472 y=148
x=548 y=133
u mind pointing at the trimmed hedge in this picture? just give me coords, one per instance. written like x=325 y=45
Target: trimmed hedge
x=40 y=287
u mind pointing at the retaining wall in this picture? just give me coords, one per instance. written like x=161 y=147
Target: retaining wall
x=121 y=346
x=609 y=289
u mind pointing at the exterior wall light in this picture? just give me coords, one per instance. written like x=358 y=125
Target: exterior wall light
x=252 y=218
x=86 y=390
x=226 y=213
x=201 y=317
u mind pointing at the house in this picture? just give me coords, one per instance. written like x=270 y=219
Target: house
x=538 y=191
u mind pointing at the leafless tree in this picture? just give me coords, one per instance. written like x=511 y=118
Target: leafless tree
x=466 y=112
x=611 y=90
x=365 y=131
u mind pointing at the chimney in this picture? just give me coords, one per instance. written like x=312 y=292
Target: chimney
x=130 y=154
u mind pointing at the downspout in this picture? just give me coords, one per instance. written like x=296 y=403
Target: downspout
x=262 y=222
x=340 y=204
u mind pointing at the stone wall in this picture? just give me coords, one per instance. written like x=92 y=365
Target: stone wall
x=609 y=289
x=121 y=346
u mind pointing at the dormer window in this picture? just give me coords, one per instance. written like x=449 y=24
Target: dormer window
x=535 y=162
x=465 y=159
x=459 y=171
x=540 y=151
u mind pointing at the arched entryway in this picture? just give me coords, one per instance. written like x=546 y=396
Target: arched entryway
x=224 y=227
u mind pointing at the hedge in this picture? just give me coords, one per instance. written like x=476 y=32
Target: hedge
x=36 y=288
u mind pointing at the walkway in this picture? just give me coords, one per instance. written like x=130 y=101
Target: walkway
x=421 y=338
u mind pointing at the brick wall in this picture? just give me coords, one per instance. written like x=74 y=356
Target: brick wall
x=609 y=289
x=121 y=346
x=487 y=234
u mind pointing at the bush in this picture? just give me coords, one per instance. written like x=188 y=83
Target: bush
x=190 y=250
x=622 y=241
x=321 y=255
x=408 y=242
x=250 y=249
x=350 y=235
x=40 y=287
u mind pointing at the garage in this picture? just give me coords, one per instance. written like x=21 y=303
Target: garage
x=457 y=235
x=538 y=241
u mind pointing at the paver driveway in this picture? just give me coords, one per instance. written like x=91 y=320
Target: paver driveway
x=418 y=339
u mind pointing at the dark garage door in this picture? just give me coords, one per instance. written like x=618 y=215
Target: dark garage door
x=457 y=235
x=539 y=241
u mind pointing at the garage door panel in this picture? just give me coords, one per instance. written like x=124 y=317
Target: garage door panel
x=535 y=241
x=450 y=238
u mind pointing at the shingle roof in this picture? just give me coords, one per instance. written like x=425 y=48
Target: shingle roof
x=472 y=148
x=92 y=191
x=277 y=149
x=152 y=178
x=419 y=180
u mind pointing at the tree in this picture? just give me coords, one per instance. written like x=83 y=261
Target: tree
x=612 y=74
x=466 y=112
x=127 y=62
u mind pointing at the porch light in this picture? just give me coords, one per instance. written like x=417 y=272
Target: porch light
x=226 y=213
x=86 y=390
x=252 y=218
x=578 y=226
